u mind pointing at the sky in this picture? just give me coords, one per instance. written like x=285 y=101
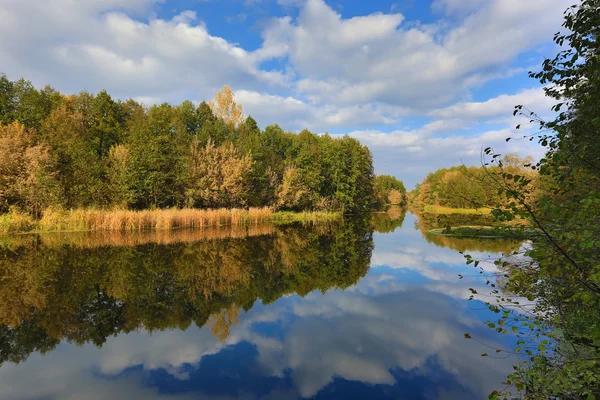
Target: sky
x=425 y=84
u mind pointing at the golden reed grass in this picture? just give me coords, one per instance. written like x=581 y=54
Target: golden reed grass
x=150 y=220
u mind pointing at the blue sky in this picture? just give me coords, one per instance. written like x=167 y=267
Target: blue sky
x=424 y=84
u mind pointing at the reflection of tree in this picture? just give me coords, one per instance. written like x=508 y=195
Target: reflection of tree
x=388 y=221
x=504 y=246
x=221 y=322
x=86 y=294
x=429 y=221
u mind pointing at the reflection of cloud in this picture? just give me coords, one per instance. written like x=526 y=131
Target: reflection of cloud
x=361 y=334
x=167 y=350
x=402 y=329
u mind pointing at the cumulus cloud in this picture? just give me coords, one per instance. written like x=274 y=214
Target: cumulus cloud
x=380 y=58
x=500 y=106
x=95 y=45
x=413 y=154
x=299 y=114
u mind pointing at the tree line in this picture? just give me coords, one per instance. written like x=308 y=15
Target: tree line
x=469 y=186
x=389 y=191
x=90 y=150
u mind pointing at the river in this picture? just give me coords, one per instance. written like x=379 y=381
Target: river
x=337 y=311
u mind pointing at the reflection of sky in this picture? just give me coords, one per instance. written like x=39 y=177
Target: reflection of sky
x=399 y=333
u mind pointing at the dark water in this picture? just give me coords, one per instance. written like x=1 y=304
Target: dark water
x=322 y=312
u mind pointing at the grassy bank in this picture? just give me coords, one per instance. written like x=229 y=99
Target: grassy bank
x=152 y=220
x=447 y=210
x=313 y=217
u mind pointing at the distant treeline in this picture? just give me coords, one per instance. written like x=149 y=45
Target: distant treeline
x=389 y=191
x=469 y=187
x=91 y=151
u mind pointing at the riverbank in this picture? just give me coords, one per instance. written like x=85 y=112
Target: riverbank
x=158 y=220
x=448 y=210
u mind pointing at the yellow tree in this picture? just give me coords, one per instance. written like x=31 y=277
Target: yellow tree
x=225 y=107
x=14 y=140
x=218 y=176
x=27 y=172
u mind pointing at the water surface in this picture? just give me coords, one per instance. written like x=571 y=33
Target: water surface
x=276 y=313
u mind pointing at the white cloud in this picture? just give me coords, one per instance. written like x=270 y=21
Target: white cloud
x=412 y=155
x=98 y=46
x=501 y=106
x=296 y=114
x=419 y=66
x=456 y=7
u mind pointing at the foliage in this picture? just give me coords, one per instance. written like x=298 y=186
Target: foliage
x=225 y=107
x=468 y=187
x=91 y=151
x=383 y=186
x=561 y=337
x=27 y=172
x=218 y=177
x=118 y=175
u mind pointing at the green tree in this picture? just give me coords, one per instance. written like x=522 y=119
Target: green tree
x=81 y=173
x=119 y=176
x=157 y=163
x=7 y=100
x=564 y=275
x=102 y=120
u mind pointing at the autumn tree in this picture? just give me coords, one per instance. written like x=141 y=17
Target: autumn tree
x=383 y=185
x=27 y=172
x=395 y=197
x=294 y=192
x=103 y=152
x=225 y=107
x=218 y=176
x=13 y=143
x=40 y=188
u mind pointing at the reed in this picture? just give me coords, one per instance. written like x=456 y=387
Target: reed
x=144 y=220
x=119 y=220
